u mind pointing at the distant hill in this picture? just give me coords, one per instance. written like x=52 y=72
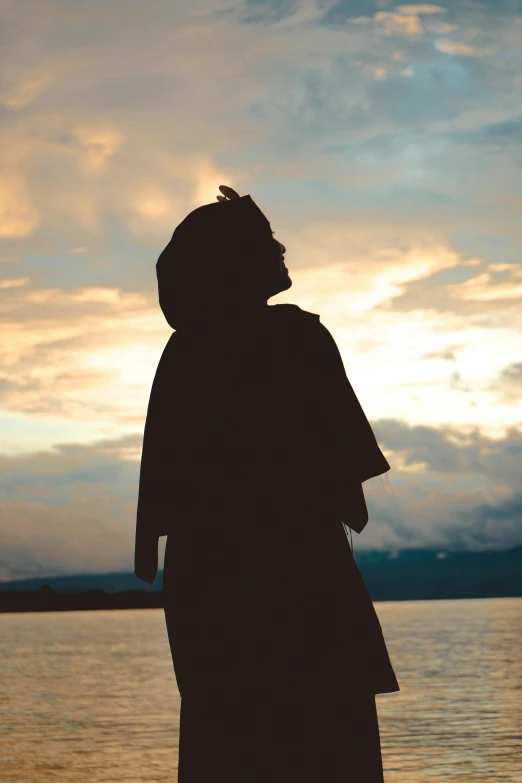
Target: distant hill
x=406 y=575
x=427 y=574
x=111 y=583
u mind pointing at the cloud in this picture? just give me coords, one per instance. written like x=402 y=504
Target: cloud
x=71 y=352
x=273 y=11
x=72 y=509
x=454 y=47
x=496 y=134
x=396 y=23
x=97 y=143
x=492 y=284
x=26 y=89
x=378 y=72
x=110 y=124
x=151 y=212
x=509 y=383
x=446 y=483
x=447 y=354
x=487 y=519
x=417 y=10
x=484 y=289
x=14 y=282
x=441 y=28
x=19 y=215
x=397 y=198
x=404 y=20
x=352 y=287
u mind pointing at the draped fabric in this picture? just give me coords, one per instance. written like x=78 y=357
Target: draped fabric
x=256 y=742
x=225 y=397
x=254 y=451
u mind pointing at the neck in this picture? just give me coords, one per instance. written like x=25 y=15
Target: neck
x=229 y=315
x=240 y=311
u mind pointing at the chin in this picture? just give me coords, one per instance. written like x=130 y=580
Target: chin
x=283 y=284
x=283 y=287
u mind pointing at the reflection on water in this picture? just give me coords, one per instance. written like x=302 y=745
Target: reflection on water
x=91 y=696
x=458 y=716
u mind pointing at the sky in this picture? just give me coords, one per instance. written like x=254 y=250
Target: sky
x=382 y=141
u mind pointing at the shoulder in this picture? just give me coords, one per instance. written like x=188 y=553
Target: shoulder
x=305 y=322
x=172 y=347
x=293 y=313
x=305 y=332
x=170 y=357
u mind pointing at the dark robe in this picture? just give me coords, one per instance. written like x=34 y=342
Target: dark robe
x=254 y=452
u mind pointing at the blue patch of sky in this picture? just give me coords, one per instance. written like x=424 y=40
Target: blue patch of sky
x=419 y=154
x=346 y=10
x=437 y=92
x=501 y=7
x=259 y=11
x=325 y=111
x=350 y=9
x=492 y=247
x=113 y=259
x=457 y=274
x=333 y=198
x=498 y=133
x=297 y=193
x=131 y=263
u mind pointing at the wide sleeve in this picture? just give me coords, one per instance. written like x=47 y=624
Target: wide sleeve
x=349 y=447
x=159 y=470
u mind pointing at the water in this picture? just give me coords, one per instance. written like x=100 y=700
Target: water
x=91 y=696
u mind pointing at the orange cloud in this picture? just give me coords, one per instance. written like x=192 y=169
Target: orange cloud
x=98 y=143
x=405 y=19
x=14 y=282
x=19 y=216
x=25 y=89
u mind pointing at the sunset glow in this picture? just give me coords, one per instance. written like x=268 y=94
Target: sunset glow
x=383 y=146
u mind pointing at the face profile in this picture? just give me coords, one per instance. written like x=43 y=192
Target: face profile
x=281 y=249
x=228 y=193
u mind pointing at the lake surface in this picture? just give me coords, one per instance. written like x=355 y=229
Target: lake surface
x=91 y=696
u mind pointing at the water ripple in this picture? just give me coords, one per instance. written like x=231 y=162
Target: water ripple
x=92 y=696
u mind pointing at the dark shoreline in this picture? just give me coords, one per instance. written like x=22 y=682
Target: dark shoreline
x=26 y=601
x=410 y=575
x=48 y=600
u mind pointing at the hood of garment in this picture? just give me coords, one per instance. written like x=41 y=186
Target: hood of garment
x=221 y=262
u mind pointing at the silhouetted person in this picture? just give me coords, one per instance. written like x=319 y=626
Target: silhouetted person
x=254 y=452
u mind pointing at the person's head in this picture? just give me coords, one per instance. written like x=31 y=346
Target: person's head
x=222 y=255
